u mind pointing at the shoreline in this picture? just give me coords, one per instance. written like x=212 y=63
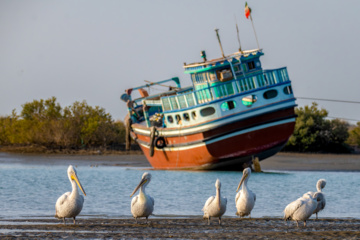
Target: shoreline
x=282 y=161
x=179 y=228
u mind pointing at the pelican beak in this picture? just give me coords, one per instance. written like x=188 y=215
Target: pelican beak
x=74 y=177
x=241 y=181
x=142 y=182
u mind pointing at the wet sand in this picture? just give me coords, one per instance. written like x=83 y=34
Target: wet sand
x=180 y=228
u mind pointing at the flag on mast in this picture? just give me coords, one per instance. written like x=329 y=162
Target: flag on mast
x=247 y=10
x=247 y=15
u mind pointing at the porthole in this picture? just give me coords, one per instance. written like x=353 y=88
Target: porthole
x=193 y=115
x=249 y=100
x=225 y=106
x=288 y=90
x=170 y=119
x=207 y=111
x=186 y=117
x=270 y=94
x=178 y=119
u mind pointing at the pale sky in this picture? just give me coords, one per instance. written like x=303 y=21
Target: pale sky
x=94 y=50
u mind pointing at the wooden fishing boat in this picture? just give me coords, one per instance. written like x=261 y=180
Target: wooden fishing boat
x=233 y=112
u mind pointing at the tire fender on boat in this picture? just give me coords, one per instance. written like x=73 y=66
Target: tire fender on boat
x=160 y=142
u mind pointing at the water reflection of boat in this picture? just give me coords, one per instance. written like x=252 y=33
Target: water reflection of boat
x=233 y=111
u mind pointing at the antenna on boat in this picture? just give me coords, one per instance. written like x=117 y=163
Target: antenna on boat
x=238 y=34
x=217 y=34
x=203 y=55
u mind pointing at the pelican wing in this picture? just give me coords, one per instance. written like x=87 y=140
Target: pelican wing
x=62 y=199
x=208 y=202
x=308 y=194
x=237 y=196
x=60 y=202
x=291 y=208
x=134 y=200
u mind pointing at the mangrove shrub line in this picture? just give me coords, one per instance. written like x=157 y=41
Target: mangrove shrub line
x=46 y=123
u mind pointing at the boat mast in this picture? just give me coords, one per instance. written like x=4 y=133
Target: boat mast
x=217 y=34
x=238 y=34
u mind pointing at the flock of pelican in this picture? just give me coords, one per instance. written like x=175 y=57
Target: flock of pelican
x=70 y=204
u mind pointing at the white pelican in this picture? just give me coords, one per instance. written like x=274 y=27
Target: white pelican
x=245 y=198
x=302 y=208
x=69 y=205
x=215 y=206
x=321 y=197
x=142 y=205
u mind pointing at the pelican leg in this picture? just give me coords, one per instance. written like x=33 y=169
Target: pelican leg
x=136 y=220
x=297 y=223
x=219 y=220
x=147 y=220
x=209 y=220
x=74 y=221
x=305 y=223
x=64 y=221
x=316 y=216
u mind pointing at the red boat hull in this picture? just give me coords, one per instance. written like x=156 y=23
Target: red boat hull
x=228 y=151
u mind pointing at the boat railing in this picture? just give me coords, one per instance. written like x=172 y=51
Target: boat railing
x=225 y=89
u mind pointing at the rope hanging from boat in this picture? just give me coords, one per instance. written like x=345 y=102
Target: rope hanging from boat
x=152 y=140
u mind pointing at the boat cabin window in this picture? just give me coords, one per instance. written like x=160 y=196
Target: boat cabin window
x=178 y=119
x=193 y=115
x=288 y=90
x=225 y=106
x=186 y=117
x=251 y=65
x=170 y=119
x=249 y=100
x=270 y=94
x=199 y=77
x=237 y=68
x=207 y=111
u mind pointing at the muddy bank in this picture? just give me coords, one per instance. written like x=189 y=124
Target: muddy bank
x=180 y=228
x=38 y=149
x=312 y=162
x=280 y=162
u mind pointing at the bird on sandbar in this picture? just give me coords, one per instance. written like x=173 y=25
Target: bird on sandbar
x=142 y=205
x=321 y=197
x=69 y=205
x=215 y=206
x=302 y=208
x=245 y=198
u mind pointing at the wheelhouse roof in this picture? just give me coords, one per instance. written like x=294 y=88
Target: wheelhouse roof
x=220 y=62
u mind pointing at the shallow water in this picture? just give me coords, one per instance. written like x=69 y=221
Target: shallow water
x=30 y=191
